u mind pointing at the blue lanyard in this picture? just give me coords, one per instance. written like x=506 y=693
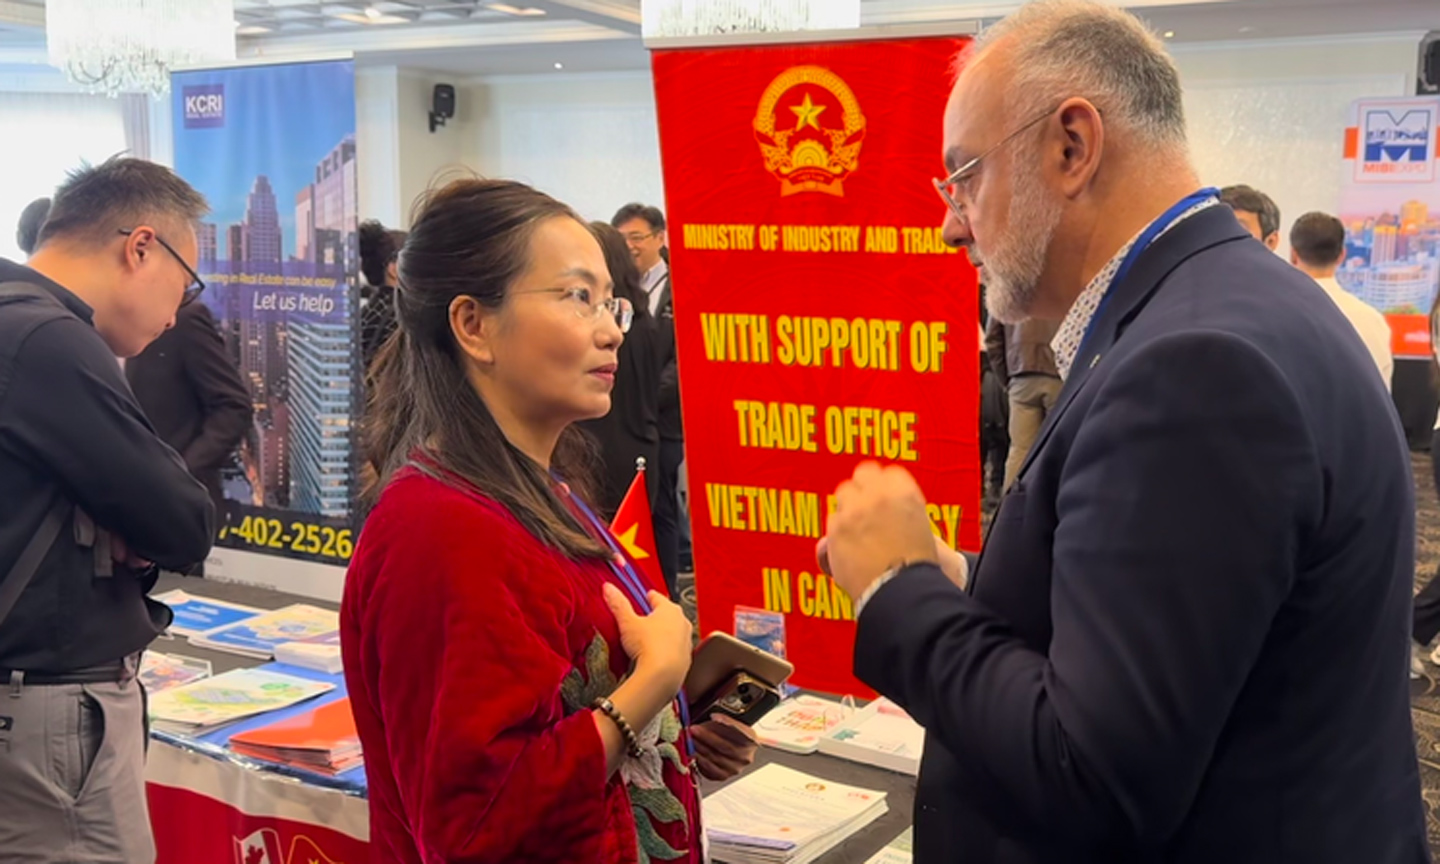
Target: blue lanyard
x=1153 y=230
x=625 y=571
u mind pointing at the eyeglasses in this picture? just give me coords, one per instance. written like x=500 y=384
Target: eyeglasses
x=196 y=286
x=637 y=238
x=585 y=308
x=949 y=186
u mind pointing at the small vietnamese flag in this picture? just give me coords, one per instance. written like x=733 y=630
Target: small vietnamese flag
x=635 y=531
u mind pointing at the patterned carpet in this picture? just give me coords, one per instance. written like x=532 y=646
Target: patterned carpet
x=1425 y=693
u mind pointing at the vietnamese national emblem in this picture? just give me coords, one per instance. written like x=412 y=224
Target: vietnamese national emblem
x=810 y=129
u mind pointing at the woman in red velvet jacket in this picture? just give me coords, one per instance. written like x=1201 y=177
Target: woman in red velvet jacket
x=513 y=685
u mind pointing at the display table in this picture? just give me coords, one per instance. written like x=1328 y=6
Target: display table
x=208 y=804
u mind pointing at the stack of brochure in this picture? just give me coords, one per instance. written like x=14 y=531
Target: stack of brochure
x=258 y=636
x=321 y=653
x=778 y=815
x=201 y=706
x=323 y=740
x=880 y=734
x=797 y=724
x=195 y=615
x=163 y=671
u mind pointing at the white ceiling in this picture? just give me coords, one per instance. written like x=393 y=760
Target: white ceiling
x=468 y=38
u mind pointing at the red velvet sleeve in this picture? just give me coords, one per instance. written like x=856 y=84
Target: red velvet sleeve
x=470 y=630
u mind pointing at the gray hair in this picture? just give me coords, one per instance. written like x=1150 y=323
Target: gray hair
x=96 y=202
x=1068 y=48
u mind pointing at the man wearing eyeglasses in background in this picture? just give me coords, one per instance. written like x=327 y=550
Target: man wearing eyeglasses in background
x=91 y=500
x=643 y=228
x=1186 y=638
x=195 y=398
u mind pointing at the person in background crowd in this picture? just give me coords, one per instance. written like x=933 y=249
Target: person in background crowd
x=379 y=252
x=1214 y=537
x=1425 y=620
x=1024 y=365
x=1256 y=212
x=994 y=418
x=1317 y=249
x=644 y=231
x=31 y=220
x=513 y=685
x=631 y=429
x=195 y=398
x=89 y=497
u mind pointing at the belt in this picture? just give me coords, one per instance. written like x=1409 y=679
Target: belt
x=105 y=673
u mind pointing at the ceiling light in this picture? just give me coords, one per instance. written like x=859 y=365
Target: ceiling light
x=130 y=46
x=682 y=18
x=559 y=65
x=371 y=16
x=514 y=10
x=250 y=29
x=1169 y=34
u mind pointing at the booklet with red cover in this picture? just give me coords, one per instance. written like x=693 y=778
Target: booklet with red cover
x=322 y=740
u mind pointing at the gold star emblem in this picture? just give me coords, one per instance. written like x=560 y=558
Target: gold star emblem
x=627 y=541
x=806 y=113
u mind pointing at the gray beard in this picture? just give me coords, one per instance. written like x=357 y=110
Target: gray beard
x=1013 y=270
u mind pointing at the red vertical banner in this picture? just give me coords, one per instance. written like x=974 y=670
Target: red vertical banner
x=820 y=319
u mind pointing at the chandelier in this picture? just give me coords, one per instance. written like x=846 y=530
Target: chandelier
x=672 y=18
x=130 y=46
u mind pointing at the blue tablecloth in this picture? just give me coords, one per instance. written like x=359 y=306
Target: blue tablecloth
x=215 y=743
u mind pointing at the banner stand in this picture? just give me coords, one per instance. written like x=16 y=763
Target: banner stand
x=820 y=318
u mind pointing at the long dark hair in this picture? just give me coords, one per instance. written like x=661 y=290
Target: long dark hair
x=471 y=238
x=623 y=271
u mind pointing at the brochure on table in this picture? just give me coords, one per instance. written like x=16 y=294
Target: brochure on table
x=880 y=734
x=258 y=637
x=195 y=615
x=208 y=704
x=778 y=814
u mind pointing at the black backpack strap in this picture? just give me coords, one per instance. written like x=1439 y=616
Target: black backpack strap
x=23 y=570
x=25 y=566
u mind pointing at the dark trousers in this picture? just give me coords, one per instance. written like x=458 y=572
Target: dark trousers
x=665 y=508
x=1427 y=603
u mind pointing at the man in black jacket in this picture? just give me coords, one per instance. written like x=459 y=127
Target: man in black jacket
x=91 y=499
x=1185 y=640
x=194 y=396
x=644 y=230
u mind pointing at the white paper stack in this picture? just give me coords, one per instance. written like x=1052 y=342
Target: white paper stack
x=778 y=815
x=880 y=734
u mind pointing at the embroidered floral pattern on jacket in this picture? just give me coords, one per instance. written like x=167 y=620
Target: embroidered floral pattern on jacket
x=644 y=777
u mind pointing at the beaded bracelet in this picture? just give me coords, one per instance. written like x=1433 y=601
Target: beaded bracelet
x=632 y=742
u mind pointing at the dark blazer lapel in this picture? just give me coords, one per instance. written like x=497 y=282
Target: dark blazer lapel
x=1208 y=228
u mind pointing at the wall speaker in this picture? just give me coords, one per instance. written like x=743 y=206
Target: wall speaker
x=442 y=105
x=1429 y=65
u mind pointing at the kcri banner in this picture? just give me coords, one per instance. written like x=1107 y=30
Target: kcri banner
x=820 y=319
x=1390 y=204
x=273 y=149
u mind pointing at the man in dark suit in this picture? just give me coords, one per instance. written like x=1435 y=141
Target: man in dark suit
x=1186 y=638
x=643 y=228
x=194 y=396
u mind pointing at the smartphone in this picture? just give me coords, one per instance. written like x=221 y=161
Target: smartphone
x=728 y=675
